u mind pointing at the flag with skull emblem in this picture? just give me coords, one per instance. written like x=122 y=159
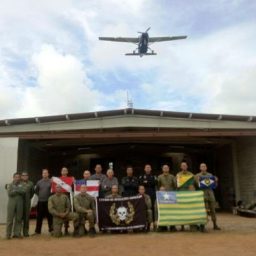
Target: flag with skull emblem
x=125 y=213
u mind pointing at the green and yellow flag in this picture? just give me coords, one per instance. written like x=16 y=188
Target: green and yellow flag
x=181 y=208
x=185 y=180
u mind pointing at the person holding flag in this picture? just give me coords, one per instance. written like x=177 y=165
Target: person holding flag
x=66 y=183
x=59 y=207
x=167 y=181
x=207 y=182
x=148 y=204
x=185 y=182
x=185 y=179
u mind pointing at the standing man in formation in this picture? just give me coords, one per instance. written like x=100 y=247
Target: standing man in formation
x=29 y=192
x=87 y=175
x=209 y=197
x=130 y=183
x=43 y=190
x=108 y=182
x=99 y=176
x=186 y=182
x=185 y=178
x=149 y=181
x=167 y=181
x=16 y=193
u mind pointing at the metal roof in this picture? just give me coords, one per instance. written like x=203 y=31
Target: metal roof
x=127 y=111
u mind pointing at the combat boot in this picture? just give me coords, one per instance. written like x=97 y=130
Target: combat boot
x=202 y=228
x=92 y=232
x=76 y=232
x=215 y=226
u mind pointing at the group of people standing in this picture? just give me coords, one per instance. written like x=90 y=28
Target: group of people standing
x=57 y=207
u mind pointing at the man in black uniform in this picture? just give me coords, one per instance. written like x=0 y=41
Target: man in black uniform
x=130 y=183
x=149 y=181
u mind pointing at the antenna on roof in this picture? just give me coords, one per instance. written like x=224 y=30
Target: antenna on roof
x=129 y=101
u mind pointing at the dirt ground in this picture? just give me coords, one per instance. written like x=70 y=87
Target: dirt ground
x=237 y=237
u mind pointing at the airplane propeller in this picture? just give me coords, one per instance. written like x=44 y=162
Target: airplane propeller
x=145 y=31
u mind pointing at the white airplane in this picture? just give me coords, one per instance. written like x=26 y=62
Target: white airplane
x=142 y=41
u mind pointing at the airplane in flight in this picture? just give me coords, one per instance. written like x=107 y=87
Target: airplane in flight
x=143 y=42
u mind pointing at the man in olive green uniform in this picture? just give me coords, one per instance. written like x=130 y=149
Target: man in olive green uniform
x=209 y=197
x=162 y=228
x=114 y=192
x=16 y=193
x=166 y=179
x=185 y=179
x=148 y=206
x=59 y=208
x=29 y=192
x=85 y=206
x=185 y=182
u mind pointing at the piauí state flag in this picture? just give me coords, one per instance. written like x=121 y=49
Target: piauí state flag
x=185 y=180
x=181 y=208
x=206 y=182
x=65 y=182
x=92 y=187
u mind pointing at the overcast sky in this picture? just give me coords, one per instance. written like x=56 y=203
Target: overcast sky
x=51 y=61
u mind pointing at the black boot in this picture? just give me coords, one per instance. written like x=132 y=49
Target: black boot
x=147 y=228
x=92 y=232
x=215 y=226
x=173 y=229
x=202 y=228
x=76 y=232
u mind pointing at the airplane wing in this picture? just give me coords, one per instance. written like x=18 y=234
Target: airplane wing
x=121 y=39
x=165 y=38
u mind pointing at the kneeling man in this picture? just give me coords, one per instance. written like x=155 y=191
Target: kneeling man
x=85 y=206
x=59 y=208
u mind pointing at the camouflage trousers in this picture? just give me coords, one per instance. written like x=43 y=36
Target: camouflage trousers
x=149 y=216
x=210 y=208
x=58 y=223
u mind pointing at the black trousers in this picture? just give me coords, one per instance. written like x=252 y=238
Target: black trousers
x=42 y=212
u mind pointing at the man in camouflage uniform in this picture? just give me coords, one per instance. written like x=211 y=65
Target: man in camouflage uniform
x=209 y=197
x=64 y=174
x=16 y=193
x=148 y=206
x=85 y=206
x=59 y=207
x=29 y=192
x=166 y=179
x=187 y=186
x=114 y=192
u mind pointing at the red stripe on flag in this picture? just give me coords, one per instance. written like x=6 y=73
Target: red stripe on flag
x=92 y=188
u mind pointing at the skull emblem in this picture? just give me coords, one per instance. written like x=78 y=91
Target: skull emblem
x=122 y=212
